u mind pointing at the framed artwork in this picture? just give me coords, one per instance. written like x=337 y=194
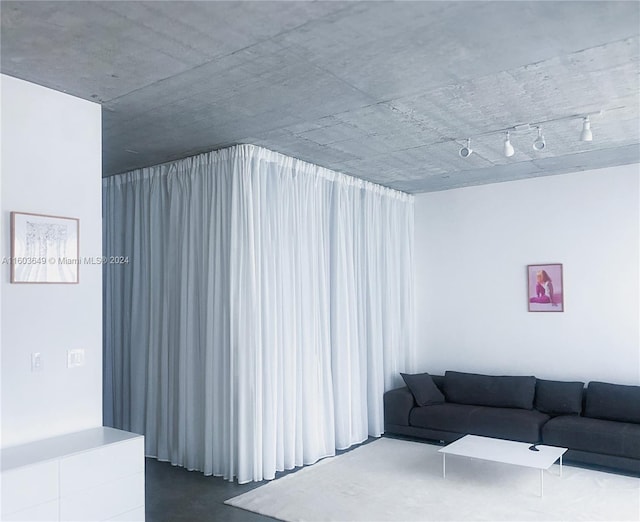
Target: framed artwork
x=44 y=249
x=545 y=288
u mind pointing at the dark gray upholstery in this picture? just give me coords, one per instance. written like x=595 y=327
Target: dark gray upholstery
x=625 y=464
x=423 y=433
x=439 y=380
x=423 y=389
x=490 y=390
x=442 y=417
x=613 y=402
x=594 y=435
x=606 y=433
x=503 y=423
x=398 y=404
x=556 y=397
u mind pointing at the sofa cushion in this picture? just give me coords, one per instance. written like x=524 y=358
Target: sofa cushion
x=439 y=381
x=489 y=390
x=503 y=423
x=593 y=435
x=443 y=417
x=423 y=388
x=557 y=397
x=613 y=402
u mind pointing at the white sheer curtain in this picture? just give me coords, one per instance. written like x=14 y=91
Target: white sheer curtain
x=265 y=308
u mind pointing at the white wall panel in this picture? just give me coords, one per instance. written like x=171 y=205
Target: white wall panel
x=51 y=163
x=471 y=251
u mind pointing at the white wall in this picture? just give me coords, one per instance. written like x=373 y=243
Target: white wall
x=51 y=164
x=472 y=247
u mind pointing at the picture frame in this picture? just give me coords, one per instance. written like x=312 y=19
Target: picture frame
x=545 y=287
x=44 y=249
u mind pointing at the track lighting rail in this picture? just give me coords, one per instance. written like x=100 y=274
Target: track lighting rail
x=539 y=144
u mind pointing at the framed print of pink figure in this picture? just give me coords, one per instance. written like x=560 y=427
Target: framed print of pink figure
x=544 y=289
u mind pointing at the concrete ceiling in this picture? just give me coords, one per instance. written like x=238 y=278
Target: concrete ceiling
x=384 y=91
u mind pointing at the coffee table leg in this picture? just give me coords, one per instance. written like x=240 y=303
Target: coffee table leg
x=444 y=469
x=561 y=465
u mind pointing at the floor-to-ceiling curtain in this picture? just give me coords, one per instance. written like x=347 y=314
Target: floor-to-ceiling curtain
x=263 y=307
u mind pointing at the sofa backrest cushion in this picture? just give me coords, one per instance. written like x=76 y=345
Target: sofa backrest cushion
x=613 y=402
x=424 y=390
x=557 y=397
x=490 y=390
x=439 y=380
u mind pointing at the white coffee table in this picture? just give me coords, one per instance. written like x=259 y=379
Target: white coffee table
x=505 y=451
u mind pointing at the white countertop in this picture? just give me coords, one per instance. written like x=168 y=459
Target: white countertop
x=61 y=446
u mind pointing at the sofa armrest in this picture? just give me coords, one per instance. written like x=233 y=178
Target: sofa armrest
x=398 y=404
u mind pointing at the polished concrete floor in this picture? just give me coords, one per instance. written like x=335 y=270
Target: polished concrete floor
x=177 y=495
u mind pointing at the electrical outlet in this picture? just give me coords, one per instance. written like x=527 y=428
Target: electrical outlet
x=36 y=362
x=75 y=358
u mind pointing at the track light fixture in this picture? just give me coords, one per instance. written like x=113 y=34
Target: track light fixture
x=465 y=152
x=508 y=148
x=539 y=144
x=586 y=134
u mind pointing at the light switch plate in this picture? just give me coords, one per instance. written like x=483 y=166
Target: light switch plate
x=75 y=358
x=36 y=362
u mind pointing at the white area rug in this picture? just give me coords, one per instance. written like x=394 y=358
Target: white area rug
x=398 y=480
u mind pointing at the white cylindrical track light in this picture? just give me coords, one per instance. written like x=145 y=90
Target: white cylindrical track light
x=586 y=134
x=465 y=152
x=508 y=148
x=539 y=144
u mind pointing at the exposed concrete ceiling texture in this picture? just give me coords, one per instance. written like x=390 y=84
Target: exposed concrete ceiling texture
x=384 y=91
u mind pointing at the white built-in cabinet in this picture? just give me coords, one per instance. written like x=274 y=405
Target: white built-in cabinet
x=96 y=474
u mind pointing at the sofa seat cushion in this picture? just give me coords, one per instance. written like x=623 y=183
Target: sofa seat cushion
x=593 y=435
x=502 y=423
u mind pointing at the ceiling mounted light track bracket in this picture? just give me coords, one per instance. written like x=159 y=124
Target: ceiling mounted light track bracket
x=521 y=127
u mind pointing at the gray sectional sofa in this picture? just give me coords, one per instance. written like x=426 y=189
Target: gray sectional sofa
x=600 y=424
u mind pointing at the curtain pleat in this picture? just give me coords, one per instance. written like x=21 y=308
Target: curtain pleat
x=266 y=306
